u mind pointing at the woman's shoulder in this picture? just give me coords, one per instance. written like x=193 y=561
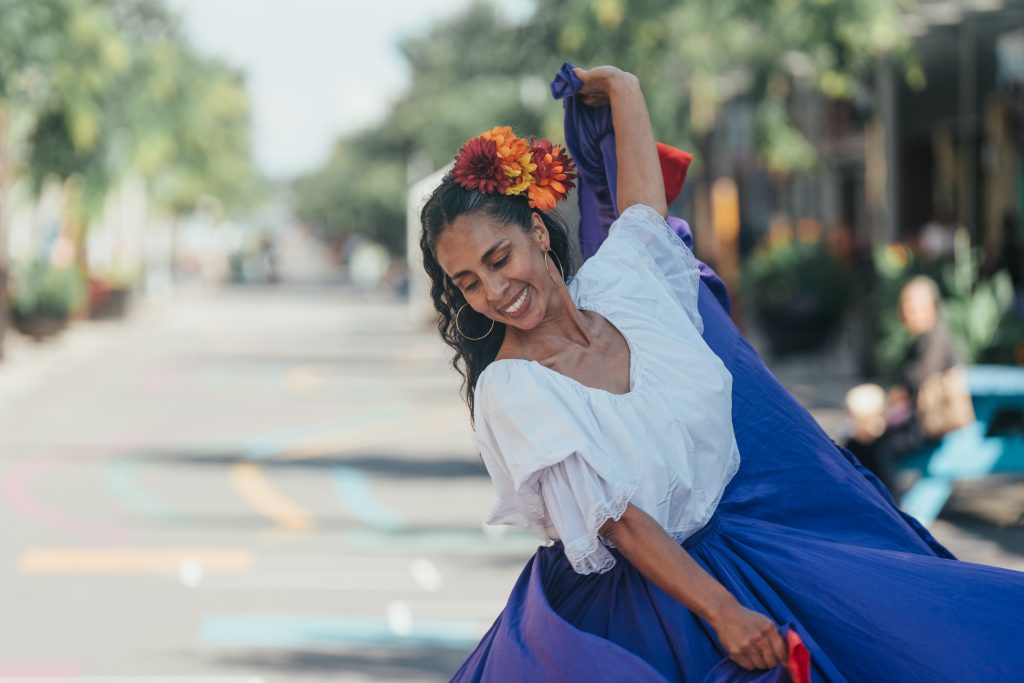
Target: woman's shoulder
x=515 y=381
x=517 y=386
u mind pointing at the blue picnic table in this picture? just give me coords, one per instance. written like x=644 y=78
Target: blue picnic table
x=970 y=452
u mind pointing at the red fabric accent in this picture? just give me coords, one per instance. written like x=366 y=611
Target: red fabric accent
x=799 y=662
x=674 y=164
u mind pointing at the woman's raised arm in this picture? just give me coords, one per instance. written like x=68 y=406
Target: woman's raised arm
x=639 y=170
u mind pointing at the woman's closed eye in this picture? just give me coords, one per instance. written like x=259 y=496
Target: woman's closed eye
x=497 y=264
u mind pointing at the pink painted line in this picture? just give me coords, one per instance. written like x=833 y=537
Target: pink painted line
x=37 y=669
x=16 y=489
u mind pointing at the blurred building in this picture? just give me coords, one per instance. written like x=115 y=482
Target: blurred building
x=900 y=154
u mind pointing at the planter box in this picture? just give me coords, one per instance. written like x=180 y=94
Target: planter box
x=39 y=326
x=789 y=331
x=109 y=304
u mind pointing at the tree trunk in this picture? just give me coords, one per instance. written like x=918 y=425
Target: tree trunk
x=4 y=257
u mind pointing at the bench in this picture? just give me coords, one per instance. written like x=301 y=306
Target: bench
x=971 y=452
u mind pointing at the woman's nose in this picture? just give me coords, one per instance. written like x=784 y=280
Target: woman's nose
x=495 y=287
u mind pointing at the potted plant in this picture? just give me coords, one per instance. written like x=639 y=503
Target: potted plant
x=44 y=297
x=797 y=291
x=110 y=292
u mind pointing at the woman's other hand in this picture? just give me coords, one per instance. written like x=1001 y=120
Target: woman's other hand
x=599 y=82
x=750 y=639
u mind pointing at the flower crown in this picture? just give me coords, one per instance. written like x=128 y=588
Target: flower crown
x=498 y=161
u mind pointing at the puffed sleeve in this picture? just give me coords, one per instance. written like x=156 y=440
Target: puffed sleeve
x=664 y=253
x=578 y=502
x=538 y=443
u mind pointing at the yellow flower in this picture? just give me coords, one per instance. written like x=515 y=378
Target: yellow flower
x=523 y=173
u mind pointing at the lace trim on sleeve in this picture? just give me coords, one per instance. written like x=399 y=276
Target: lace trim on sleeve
x=691 y=270
x=587 y=554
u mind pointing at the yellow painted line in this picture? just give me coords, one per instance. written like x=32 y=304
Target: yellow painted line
x=132 y=561
x=253 y=486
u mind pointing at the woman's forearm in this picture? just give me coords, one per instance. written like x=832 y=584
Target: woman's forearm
x=658 y=557
x=749 y=638
x=639 y=170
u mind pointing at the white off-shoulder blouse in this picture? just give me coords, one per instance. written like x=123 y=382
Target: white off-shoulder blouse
x=564 y=457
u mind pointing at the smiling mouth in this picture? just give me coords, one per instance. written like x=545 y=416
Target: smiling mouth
x=518 y=303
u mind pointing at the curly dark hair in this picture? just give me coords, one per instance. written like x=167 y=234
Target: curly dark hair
x=447 y=202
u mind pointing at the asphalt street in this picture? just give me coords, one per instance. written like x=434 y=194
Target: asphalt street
x=249 y=483
x=271 y=484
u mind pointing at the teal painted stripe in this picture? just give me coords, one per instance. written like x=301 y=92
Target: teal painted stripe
x=309 y=630
x=356 y=495
x=120 y=477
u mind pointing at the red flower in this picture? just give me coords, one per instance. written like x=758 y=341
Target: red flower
x=477 y=167
x=554 y=175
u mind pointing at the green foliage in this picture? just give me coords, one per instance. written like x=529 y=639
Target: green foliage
x=350 y=195
x=468 y=74
x=43 y=291
x=97 y=88
x=798 y=275
x=477 y=70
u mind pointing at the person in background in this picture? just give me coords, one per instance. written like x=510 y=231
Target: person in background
x=886 y=425
x=938 y=235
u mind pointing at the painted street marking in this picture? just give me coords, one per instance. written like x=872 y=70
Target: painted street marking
x=355 y=494
x=272 y=444
x=426 y=574
x=121 y=479
x=252 y=485
x=333 y=631
x=453 y=541
x=16 y=489
x=134 y=561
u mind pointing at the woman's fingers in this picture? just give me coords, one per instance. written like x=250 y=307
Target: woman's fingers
x=596 y=83
x=765 y=652
x=757 y=658
x=779 y=647
x=771 y=649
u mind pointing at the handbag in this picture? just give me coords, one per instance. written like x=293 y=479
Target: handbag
x=944 y=402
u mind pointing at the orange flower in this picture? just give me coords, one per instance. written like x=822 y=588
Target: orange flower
x=554 y=175
x=514 y=155
x=500 y=161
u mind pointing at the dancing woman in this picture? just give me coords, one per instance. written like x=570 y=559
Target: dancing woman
x=701 y=519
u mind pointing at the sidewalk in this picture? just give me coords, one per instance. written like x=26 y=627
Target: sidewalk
x=29 y=366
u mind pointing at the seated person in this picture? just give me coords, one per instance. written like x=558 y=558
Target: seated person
x=886 y=425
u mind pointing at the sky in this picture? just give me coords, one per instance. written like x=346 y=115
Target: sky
x=315 y=69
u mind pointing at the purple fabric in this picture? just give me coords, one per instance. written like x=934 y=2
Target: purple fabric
x=591 y=141
x=804 y=535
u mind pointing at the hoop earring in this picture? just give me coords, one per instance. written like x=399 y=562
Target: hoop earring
x=558 y=264
x=460 y=329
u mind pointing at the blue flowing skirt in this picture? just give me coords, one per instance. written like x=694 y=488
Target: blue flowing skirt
x=803 y=534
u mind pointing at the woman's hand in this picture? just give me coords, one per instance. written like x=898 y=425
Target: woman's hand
x=750 y=639
x=600 y=82
x=639 y=169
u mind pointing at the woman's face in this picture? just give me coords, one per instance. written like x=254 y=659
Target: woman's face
x=498 y=267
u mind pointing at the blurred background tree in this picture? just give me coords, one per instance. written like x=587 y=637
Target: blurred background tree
x=91 y=91
x=480 y=69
